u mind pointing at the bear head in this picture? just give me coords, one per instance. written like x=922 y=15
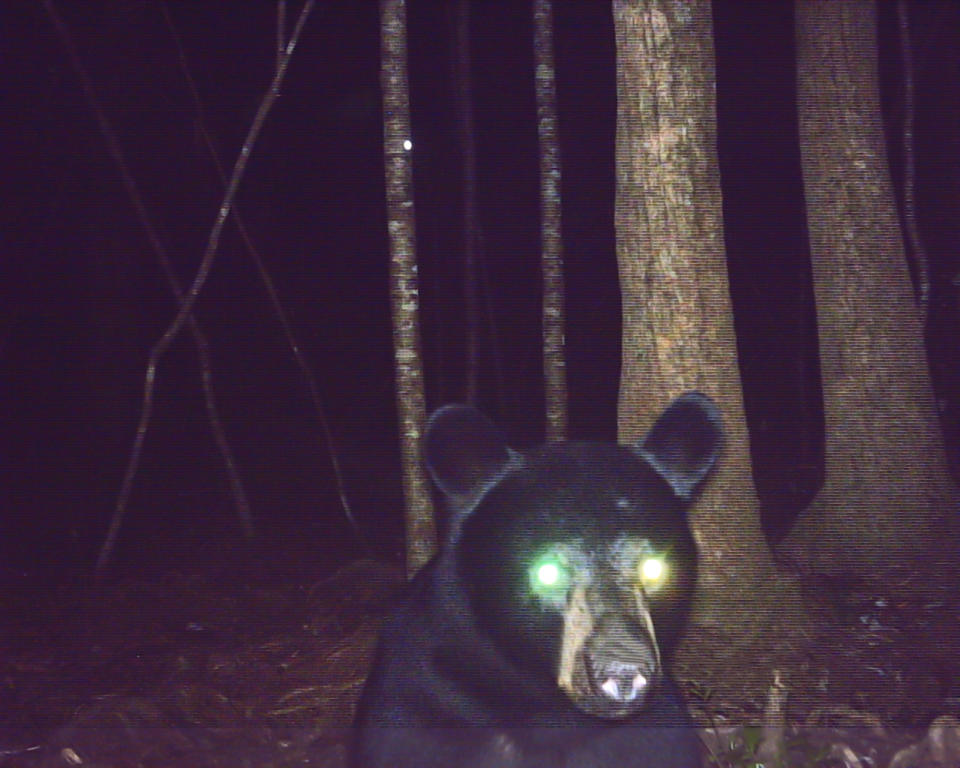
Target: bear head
x=577 y=558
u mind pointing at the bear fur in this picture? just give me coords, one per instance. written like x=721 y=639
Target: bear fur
x=539 y=634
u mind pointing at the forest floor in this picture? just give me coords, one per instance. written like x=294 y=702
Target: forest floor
x=264 y=672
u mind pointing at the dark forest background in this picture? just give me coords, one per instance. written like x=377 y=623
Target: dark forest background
x=83 y=299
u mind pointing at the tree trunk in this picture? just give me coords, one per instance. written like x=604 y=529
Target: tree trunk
x=887 y=491
x=678 y=330
x=463 y=106
x=551 y=239
x=404 y=293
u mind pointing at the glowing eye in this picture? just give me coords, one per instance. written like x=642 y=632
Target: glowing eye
x=653 y=572
x=548 y=574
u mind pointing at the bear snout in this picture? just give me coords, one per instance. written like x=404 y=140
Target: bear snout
x=610 y=661
x=622 y=664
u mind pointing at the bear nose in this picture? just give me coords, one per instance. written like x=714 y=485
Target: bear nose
x=621 y=660
x=622 y=682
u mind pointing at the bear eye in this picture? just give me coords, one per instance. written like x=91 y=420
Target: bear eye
x=652 y=570
x=549 y=574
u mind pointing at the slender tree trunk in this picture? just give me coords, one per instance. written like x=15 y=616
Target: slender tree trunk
x=464 y=111
x=678 y=330
x=551 y=237
x=404 y=293
x=887 y=490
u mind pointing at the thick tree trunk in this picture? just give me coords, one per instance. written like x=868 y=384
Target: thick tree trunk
x=678 y=330
x=887 y=490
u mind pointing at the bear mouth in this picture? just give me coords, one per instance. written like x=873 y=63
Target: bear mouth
x=609 y=660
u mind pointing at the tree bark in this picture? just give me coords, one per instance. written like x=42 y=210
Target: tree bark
x=404 y=292
x=678 y=329
x=551 y=238
x=887 y=491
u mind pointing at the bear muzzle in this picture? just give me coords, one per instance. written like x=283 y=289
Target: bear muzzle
x=609 y=661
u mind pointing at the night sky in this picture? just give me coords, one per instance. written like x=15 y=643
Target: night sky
x=84 y=298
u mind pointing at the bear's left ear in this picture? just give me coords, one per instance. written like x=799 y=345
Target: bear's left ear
x=464 y=451
x=684 y=443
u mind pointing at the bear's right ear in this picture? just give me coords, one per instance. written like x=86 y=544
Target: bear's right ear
x=464 y=451
x=684 y=443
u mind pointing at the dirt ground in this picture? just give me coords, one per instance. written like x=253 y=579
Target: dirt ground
x=235 y=671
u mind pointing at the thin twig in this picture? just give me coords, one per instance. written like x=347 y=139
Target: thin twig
x=309 y=378
x=204 y=270
x=133 y=192
x=920 y=260
x=772 y=748
x=281 y=31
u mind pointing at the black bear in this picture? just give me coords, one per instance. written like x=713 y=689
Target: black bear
x=538 y=636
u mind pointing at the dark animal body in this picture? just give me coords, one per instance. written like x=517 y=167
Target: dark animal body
x=538 y=636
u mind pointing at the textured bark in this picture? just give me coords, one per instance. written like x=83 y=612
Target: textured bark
x=887 y=488
x=554 y=361
x=678 y=330
x=404 y=293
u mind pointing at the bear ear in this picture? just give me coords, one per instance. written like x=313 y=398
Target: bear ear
x=684 y=443
x=464 y=451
